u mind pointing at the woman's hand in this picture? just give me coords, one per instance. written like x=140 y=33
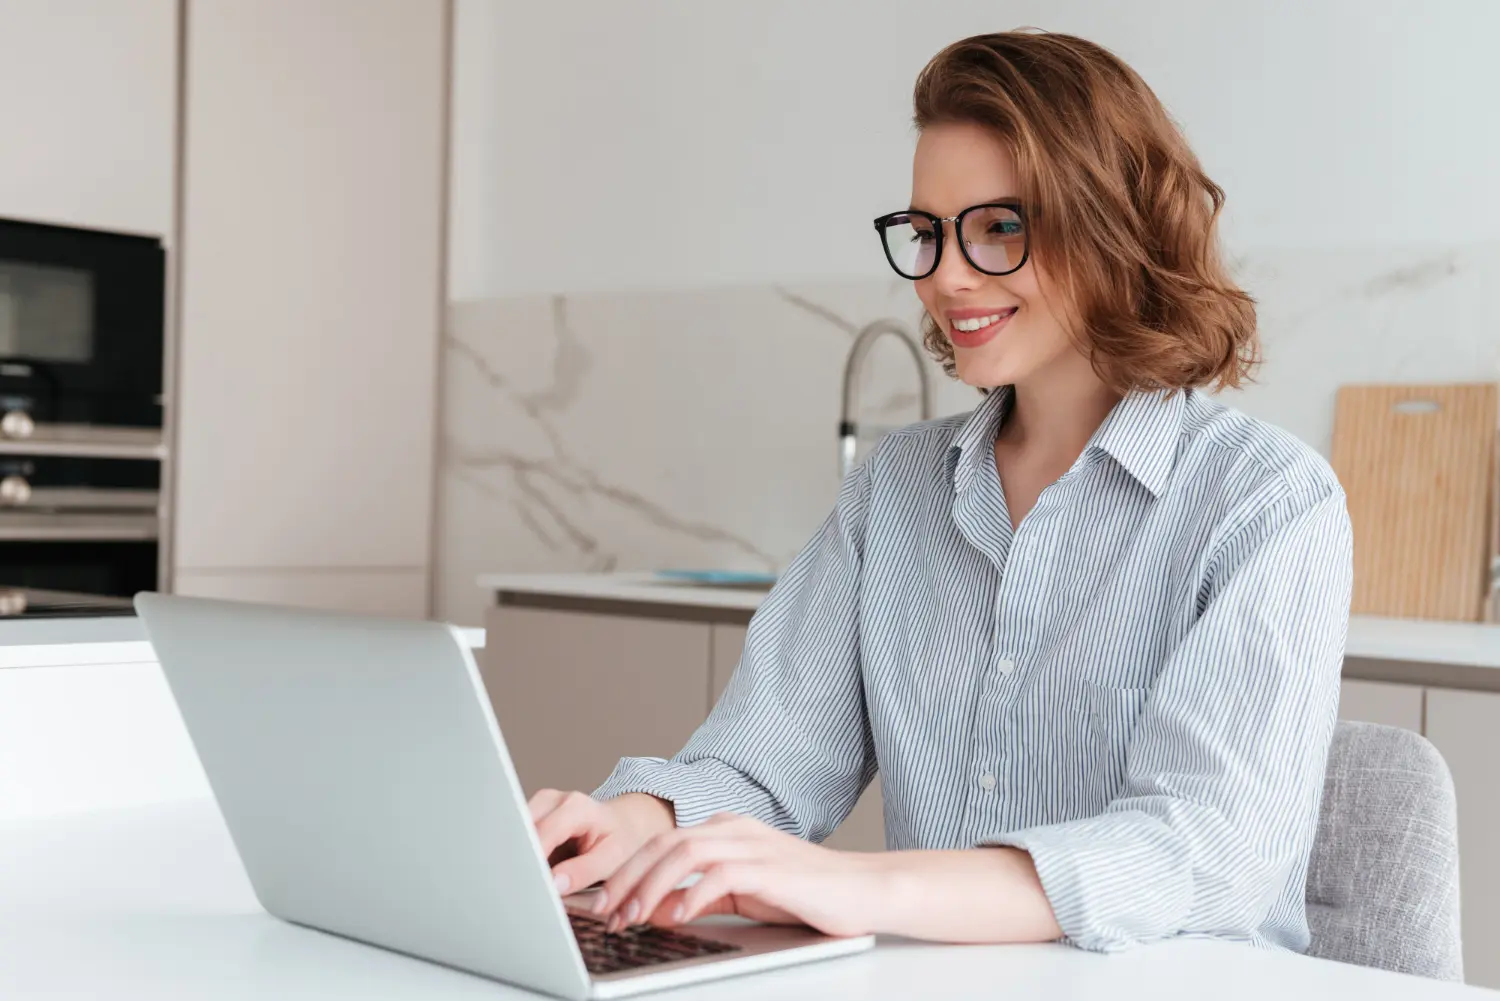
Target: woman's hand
x=748 y=869
x=585 y=840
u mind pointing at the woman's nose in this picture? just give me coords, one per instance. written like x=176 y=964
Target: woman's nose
x=954 y=272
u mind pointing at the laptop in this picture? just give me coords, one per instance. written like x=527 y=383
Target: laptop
x=364 y=780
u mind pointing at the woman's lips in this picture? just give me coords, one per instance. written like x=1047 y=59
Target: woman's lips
x=990 y=325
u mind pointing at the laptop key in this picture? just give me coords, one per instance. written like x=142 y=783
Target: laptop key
x=637 y=945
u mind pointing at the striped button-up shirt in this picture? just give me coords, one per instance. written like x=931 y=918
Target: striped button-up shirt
x=1137 y=685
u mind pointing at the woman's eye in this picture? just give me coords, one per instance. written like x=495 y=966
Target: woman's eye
x=1007 y=228
x=922 y=237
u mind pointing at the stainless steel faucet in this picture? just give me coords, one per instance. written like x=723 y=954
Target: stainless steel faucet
x=854 y=368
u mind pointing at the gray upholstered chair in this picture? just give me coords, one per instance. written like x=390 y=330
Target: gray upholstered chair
x=1382 y=885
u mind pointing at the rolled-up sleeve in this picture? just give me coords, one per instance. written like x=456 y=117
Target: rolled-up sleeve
x=789 y=742
x=1224 y=769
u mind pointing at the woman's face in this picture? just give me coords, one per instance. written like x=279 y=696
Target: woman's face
x=956 y=166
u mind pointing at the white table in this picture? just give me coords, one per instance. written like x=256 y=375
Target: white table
x=151 y=904
x=87 y=720
x=79 y=642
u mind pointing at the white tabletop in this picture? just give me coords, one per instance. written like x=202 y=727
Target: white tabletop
x=151 y=904
x=67 y=642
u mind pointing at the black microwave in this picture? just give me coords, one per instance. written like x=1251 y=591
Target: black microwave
x=82 y=315
x=82 y=338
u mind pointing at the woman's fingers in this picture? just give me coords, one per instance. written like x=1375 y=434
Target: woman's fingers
x=668 y=908
x=693 y=856
x=715 y=892
x=584 y=870
x=636 y=889
x=543 y=802
x=574 y=815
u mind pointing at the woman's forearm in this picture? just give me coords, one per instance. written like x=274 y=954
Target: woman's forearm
x=972 y=896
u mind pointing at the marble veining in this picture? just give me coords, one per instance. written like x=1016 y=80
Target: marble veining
x=697 y=428
x=633 y=431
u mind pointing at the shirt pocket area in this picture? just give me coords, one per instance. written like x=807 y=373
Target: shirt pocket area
x=1112 y=716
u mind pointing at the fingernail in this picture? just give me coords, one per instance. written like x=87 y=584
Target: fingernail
x=632 y=912
x=678 y=913
x=601 y=903
x=562 y=882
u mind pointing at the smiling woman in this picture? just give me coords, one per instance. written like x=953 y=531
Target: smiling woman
x=1089 y=635
x=1120 y=217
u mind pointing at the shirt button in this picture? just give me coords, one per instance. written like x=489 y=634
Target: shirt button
x=986 y=781
x=1005 y=667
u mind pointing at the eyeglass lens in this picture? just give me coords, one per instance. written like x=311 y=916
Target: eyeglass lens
x=994 y=238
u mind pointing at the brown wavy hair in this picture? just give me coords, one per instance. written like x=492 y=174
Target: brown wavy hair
x=1118 y=208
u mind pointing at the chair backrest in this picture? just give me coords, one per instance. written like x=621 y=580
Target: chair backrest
x=1382 y=884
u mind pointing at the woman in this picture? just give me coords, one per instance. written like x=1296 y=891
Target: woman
x=1090 y=635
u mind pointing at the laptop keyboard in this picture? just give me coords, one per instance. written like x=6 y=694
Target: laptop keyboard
x=637 y=945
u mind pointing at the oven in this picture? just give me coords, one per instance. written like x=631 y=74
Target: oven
x=82 y=335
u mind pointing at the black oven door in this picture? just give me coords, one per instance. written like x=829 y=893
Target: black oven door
x=116 y=567
x=56 y=483
x=82 y=320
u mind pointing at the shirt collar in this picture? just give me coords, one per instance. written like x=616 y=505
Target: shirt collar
x=974 y=443
x=1140 y=433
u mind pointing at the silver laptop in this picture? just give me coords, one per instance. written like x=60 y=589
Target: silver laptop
x=363 y=778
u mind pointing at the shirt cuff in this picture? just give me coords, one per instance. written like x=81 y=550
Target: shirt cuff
x=1114 y=881
x=697 y=791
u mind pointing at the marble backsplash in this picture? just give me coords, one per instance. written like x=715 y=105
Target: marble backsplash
x=698 y=428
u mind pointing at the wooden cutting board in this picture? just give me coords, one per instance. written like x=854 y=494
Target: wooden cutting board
x=1492 y=606
x=1417 y=465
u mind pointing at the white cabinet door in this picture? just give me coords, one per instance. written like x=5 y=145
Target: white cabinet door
x=373 y=592
x=728 y=644
x=88 y=95
x=574 y=692
x=311 y=292
x=1465 y=727
x=1381 y=702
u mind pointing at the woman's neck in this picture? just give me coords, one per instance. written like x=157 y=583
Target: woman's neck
x=1056 y=416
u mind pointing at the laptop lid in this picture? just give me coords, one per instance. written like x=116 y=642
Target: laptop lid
x=363 y=778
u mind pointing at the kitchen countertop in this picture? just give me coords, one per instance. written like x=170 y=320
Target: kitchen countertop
x=629 y=587
x=1448 y=654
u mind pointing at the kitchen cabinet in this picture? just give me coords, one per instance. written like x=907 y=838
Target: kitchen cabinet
x=728 y=642
x=311 y=295
x=88 y=95
x=575 y=693
x=1465 y=728
x=379 y=591
x=1381 y=702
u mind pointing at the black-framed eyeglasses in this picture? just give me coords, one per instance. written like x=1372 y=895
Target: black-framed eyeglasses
x=992 y=238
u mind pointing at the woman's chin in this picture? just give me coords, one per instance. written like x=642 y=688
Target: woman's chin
x=982 y=370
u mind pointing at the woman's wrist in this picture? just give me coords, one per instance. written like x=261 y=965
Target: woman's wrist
x=885 y=877
x=973 y=895
x=651 y=813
